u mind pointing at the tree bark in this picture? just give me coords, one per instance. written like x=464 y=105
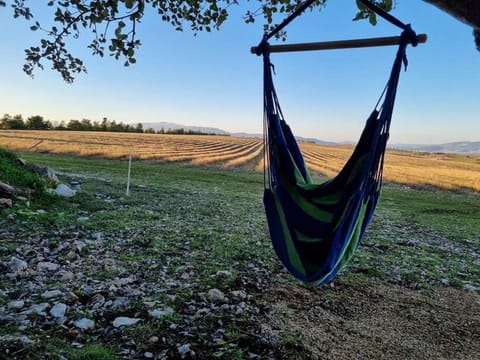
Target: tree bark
x=467 y=11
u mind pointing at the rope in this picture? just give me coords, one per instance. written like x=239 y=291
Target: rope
x=408 y=32
x=262 y=46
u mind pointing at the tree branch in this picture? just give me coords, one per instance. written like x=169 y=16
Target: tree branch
x=467 y=11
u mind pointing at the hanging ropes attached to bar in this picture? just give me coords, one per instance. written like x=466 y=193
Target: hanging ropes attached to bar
x=413 y=38
x=338 y=44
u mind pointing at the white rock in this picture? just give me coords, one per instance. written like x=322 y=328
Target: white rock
x=38 y=309
x=16 y=304
x=48 y=294
x=66 y=275
x=153 y=339
x=160 y=313
x=5 y=202
x=119 y=282
x=183 y=349
x=124 y=321
x=16 y=265
x=239 y=294
x=84 y=324
x=58 y=310
x=48 y=266
x=148 y=355
x=223 y=273
x=470 y=287
x=15 y=338
x=64 y=190
x=120 y=302
x=98 y=236
x=216 y=295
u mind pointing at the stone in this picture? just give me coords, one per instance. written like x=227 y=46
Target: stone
x=58 y=310
x=160 y=313
x=84 y=324
x=223 y=273
x=75 y=184
x=120 y=302
x=46 y=172
x=124 y=321
x=153 y=339
x=16 y=338
x=47 y=266
x=119 y=282
x=71 y=296
x=64 y=190
x=216 y=295
x=470 y=287
x=17 y=265
x=48 y=294
x=4 y=203
x=239 y=294
x=183 y=349
x=148 y=355
x=16 y=304
x=5 y=188
x=66 y=275
x=38 y=309
x=97 y=300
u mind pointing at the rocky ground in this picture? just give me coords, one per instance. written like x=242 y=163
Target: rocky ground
x=105 y=276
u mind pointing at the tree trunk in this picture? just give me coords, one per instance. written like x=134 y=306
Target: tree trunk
x=467 y=11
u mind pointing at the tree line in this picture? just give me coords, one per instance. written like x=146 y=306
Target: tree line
x=37 y=122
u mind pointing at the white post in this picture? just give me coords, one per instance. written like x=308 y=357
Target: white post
x=129 y=169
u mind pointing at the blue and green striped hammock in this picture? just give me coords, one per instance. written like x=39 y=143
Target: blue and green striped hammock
x=316 y=228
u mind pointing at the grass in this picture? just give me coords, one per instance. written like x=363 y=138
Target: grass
x=12 y=173
x=182 y=226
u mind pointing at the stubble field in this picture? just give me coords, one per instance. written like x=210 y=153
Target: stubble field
x=447 y=171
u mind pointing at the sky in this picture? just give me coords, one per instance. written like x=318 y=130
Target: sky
x=212 y=80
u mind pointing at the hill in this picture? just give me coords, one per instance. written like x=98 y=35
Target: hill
x=168 y=125
x=459 y=147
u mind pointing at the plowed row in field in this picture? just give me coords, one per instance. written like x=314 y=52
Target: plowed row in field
x=442 y=170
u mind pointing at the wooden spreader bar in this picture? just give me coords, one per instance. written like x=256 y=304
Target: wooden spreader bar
x=339 y=44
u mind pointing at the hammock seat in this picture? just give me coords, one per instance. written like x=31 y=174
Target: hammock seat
x=316 y=228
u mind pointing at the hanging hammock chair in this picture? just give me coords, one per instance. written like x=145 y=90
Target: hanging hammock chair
x=316 y=228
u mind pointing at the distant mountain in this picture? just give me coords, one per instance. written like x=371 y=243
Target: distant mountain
x=299 y=138
x=316 y=141
x=173 y=126
x=460 y=147
x=244 y=134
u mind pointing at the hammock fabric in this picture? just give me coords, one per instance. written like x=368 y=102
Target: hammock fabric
x=316 y=228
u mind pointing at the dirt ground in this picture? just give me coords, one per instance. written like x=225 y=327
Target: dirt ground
x=379 y=322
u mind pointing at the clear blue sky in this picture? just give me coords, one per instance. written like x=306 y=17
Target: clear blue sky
x=212 y=79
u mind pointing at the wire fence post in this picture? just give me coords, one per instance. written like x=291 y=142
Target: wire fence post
x=129 y=170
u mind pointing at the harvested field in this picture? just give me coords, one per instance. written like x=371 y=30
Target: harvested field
x=448 y=171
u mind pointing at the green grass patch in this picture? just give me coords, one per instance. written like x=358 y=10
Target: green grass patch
x=15 y=174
